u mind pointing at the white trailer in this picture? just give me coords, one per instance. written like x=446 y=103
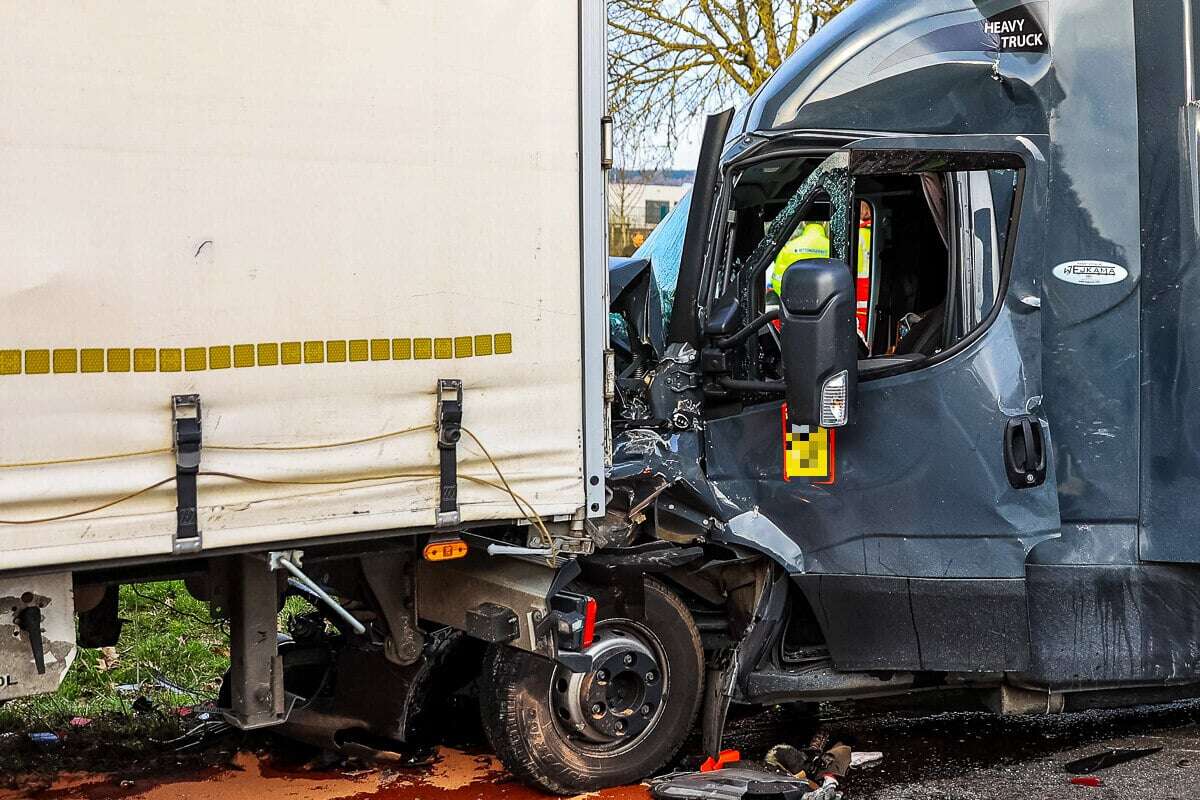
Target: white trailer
x=243 y=243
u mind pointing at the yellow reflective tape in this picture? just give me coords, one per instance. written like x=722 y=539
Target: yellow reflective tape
x=195 y=359
x=91 y=359
x=220 y=356
x=37 y=362
x=170 y=359
x=118 y=359
x=268 y=354
x=145 y=359
x=10 y=362
x=68 y=360
x=243 y=355
x=289 y=353
x=65 y=360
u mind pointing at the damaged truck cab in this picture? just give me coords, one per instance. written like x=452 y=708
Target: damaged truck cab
x=992 y=492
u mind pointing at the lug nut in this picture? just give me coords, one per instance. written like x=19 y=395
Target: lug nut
x=597 y=709
x=651 y=676
x=602 y=675
x=628 y=659
x=620 y=727
x=646 y=710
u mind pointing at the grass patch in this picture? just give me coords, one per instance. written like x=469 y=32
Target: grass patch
x=168 y=634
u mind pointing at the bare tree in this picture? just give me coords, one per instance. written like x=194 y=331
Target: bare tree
x=672 y=59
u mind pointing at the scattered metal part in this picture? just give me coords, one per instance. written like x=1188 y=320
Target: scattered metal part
x=1108 y=758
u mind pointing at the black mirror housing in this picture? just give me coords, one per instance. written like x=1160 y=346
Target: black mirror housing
x=820 y=348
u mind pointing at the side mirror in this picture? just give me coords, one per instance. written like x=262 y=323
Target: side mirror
x=820 y=351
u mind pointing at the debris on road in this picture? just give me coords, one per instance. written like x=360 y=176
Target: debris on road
x=736 y=783
x=1086 y=780
x=865 y=759
x=1108 y=758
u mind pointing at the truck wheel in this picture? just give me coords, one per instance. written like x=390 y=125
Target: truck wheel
x=567 y=732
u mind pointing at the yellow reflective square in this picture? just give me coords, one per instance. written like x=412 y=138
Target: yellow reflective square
x=401 y=349
x=66 y=360
x=463 y=347
x=381 y=349
x=243 y=355
x=145 y=359
x=483 y=344
x=91 y=359
x=314 y=352
x=268 y=354
x=220 y=356
x=422 y=348
x=335 y=351
x=503 y=343
x=289 y=353
x=170 y=359
x=195 y=359
x=443 y=348
x=118 y=359
x=358 y=350
x=37 y=362
x=10 y=362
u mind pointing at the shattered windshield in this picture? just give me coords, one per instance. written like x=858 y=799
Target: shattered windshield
x=664 y=249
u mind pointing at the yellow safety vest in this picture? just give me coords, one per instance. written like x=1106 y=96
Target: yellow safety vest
x=811 y=242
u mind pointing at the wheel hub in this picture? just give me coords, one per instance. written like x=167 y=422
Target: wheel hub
x=620 y=697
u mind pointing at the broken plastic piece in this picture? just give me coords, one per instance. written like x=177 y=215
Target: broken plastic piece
x=1086 y=780
x=1108 y=758
x=865 y=759
x=734 y=783
x=723 y=759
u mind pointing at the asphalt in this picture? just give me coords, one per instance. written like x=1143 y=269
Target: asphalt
x=959 y=756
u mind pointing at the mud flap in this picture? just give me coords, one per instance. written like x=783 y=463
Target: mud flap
x=37 y=634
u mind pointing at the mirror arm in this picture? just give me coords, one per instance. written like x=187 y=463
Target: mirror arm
x=745 y=333
x=752 y=386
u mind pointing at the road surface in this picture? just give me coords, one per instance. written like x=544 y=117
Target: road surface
x=963 y=756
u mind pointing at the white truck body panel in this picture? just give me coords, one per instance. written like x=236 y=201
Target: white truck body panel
x=365 y=197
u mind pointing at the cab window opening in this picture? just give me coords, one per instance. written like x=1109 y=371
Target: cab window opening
x=926 y=250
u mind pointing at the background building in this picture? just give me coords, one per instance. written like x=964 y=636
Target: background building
x=638 y=200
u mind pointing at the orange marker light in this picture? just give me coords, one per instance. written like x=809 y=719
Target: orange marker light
x=445 y=550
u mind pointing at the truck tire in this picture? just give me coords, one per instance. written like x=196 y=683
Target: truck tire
x=567 y=733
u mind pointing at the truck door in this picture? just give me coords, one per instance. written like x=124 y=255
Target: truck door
x=908 y=528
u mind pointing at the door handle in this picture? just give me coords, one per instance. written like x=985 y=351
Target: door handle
x=1024 y=452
